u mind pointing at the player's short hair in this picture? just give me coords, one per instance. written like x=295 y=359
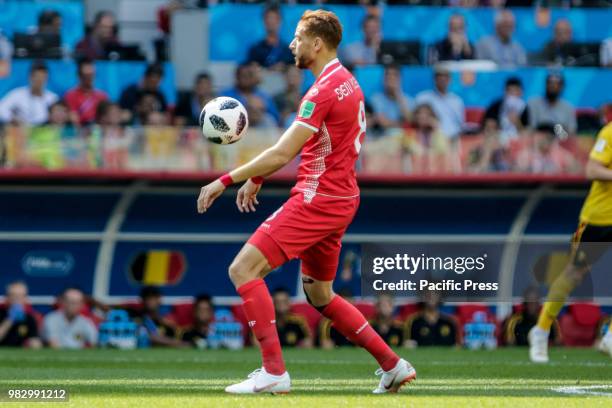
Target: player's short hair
x=324 y=24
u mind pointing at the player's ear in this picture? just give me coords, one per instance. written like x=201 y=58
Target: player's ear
x=318 y=43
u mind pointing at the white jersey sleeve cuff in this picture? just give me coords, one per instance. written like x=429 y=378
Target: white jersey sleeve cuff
x=299 y=122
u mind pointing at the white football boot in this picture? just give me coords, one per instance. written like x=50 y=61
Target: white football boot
x=538 y=345
x=259 y=381
x=605 y=345
x=392 y=380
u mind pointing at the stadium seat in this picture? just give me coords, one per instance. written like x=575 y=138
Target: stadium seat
x=312 y=316
x=473 y=116
x=464 y=313
x=406 y=310
x=579 y=324
x=182 y=314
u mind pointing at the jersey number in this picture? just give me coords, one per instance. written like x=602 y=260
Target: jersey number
x=361 y=118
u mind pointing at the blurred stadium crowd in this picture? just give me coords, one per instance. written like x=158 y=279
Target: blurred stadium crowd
x=432 y=131
x=79 y=321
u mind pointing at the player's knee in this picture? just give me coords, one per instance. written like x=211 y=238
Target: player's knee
x=240 y=273
x=576 y=273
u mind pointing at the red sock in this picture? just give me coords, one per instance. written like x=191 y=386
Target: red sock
x=259 y=310
x=349 y=321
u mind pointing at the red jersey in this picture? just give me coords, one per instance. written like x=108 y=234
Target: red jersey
x=334 y=109
x=84 y=103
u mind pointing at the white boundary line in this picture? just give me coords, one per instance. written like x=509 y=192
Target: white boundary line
x=585 y=390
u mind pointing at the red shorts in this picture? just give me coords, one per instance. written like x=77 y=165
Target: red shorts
x=311 y=232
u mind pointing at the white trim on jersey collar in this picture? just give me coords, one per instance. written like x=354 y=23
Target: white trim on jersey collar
x=329 y=64
x=330 y=74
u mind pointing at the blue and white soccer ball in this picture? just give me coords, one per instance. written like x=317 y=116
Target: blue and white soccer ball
x=224 y=120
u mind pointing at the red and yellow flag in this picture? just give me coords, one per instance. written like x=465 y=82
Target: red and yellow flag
x=158 y=267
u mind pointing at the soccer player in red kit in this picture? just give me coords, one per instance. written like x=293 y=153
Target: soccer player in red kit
x=329 y=130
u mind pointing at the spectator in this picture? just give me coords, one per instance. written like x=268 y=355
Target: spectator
x=551 y=109
x=559 y=50
x=364 y=52
x=156 y=118
x=49 y=22
x=288 y=101
x=430 y=327
x=455 y=47
x=427 y=150
x=271 y=52
x=102 y=35
x=149 y=85
x=203 y=316
x=45 y=143
x=29 y=104
x=391 y=106
x=605 y=53
x=164 y=24
x=161 y=332
x=258 y=117
x=116 y=139
x=146 y=103
x=66 y=327
x=247 y=82
x=61 y=118
x=508 y=115
x=517 y=326
x=18 y=327
x=384 y=324
x=189 y=107
x=448 y=107
x=501 y=48
x=83 y=99
x=545 y=155
x=6 y=54
x=492 y=155
x=293 y=330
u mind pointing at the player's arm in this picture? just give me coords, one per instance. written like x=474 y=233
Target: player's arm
x=595 y=170
x=275 y=157
x=601 y=157
x=266 y=163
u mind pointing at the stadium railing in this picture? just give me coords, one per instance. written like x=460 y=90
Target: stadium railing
x=173 y=153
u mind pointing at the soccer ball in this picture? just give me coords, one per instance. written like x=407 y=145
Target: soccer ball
x=224 y=120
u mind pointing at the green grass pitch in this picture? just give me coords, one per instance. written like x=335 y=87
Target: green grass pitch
x=337 y=378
